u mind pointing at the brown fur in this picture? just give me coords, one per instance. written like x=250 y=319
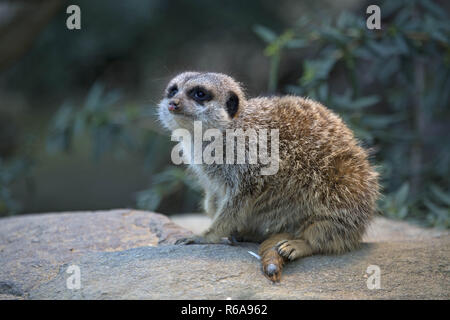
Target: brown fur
x=322 y=197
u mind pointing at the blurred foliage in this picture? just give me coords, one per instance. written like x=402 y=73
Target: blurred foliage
x=276 y=45
x=116 y=129
x=11 y=171
x=172 y=180
x=439 y=206
x=127 y=39
x=105 y=124
x=401 y=70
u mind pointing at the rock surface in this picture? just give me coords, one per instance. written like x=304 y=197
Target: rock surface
x=33 y=247
x=128 y=254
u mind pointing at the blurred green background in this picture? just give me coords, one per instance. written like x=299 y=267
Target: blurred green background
x=78 y=128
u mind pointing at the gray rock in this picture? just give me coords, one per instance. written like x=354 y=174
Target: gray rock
x=33 y=247
x=119 y=258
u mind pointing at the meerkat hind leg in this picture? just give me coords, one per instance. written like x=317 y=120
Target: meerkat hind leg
x=328 y=237
x=272 y=261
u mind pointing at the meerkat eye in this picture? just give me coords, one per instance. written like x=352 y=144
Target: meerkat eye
x=199 y=94
x=172 y=91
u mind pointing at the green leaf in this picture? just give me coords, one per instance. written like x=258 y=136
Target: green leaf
x=380 y=121
x=433 y=8
x=317 y=69
x=94 y=97
x=364 y=102
x=401 y=44
x=296 y=44
x=296 y=90
x=323 y=92
x=440 y=195
x=384 y=69
x=402 y=194
x=63 y=117
x=265 y=33
x=363 y=53
x=334 y=36
x=148 y=199
x=403 y=212
x=381 y=49
x=438 y=211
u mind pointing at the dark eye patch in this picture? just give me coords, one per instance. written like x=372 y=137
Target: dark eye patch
x=172 y=91
x=232 y=105
x=200 y=94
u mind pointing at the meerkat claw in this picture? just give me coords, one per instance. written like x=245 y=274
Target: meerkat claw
x=232 y=240
x=201 y=240
x=285 y=249
x=190 y=240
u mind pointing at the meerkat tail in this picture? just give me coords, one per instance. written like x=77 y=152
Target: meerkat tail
x=272 y=262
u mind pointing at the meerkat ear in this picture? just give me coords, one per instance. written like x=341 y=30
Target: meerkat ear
x=232 y=105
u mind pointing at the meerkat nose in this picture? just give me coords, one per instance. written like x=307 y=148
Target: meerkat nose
x=173 y=106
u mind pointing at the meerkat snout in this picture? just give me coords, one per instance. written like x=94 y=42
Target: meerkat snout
x=173 y=106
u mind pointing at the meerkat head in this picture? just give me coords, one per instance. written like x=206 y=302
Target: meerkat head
x=214 y=99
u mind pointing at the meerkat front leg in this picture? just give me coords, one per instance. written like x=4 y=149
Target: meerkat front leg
x=210 y=204
x=222 y=227
x=214 y=235
x=217 y=233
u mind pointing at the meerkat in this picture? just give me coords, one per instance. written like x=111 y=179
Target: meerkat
x=319 y=201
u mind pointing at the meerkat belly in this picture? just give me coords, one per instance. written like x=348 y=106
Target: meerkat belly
x=286 y=220
x=214 y=190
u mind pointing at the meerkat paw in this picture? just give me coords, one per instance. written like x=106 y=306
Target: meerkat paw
x=293 y=249
x=235 y=238
x=191 y=240
x=272 y=265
